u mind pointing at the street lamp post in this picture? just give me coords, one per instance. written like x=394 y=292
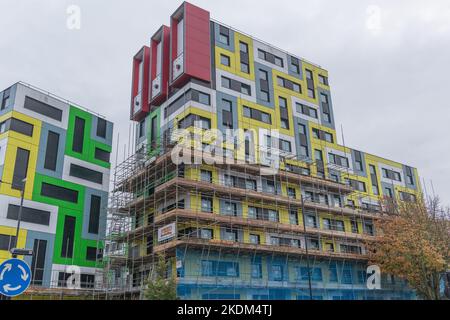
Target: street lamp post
x=19 y=215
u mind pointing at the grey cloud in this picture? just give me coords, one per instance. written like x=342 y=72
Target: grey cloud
x=390 y=90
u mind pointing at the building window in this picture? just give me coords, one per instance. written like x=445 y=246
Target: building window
x=6 y=98
x=78 y=135
x=230 y=208
x=230 y=235
x=20 y=169
x=310 y=84
x=293 y=217
x=91 y=254
x=94 y=214
x=338 y=160
x=245 y=89
x=374 y=179
x=311 y=221
x=101 y=128
x=291 y=192
x=263 y=75
x=102 y=155
x=225 y=60
x=285 y=145
x=323 y=80
x=257 y=115
x=245 y=67
x=226 y=82
x=254 y=238
x=29 y=215
x=86 y=174
x=38 y=261
x=206 y=204
x=390 y=174
x=243 y=47
x=206 y=234
x=224 y=35
x=51 y=153
x=206 y=176
x=68 y=237
x=354 y=225
x=60 y=193
x=295 y=65
x=43 y=108
x=142 y=128
x=7 y=242
x=256 y=270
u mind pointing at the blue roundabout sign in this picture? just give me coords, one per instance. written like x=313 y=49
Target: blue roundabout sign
x=15 y=277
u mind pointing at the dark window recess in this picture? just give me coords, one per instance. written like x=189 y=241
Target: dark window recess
x=29 y=215
x=189 y=95
x=102 y=155
x=43 y=108
x=87 y=281
x=141 y=128
x=91 y=254
x=38 y=261
x=192 y=120
x=60 y=193
x=153 y=130
x=101 y=128
x=236 y=86
x=78 y=135
x=51 y=152
x=5 y=99
x=20 y=168
x=86 y=174
x=94 y=214
x=7 y=242
x=68 y=237
x=21 y=127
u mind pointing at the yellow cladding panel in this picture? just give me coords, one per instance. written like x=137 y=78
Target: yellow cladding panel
x=316 y=71
x=18 y=140
x=10 y=231
x=235 y=57
x=239 y=37
x=277 y=120
x=303 y=95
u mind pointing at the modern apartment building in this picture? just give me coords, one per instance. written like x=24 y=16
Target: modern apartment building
x=289 y=213
x=58 y=154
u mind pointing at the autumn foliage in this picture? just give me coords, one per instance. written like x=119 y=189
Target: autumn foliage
x=414 y=244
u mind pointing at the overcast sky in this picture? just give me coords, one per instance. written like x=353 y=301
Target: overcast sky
x=388 y=62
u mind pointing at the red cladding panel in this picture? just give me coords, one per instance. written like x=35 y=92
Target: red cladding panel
x=142 y=55
x=163 y=34
x=197 y=44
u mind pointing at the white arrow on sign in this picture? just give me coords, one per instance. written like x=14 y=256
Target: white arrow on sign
x=7 y=287
x=8 y=267
x=24 y=275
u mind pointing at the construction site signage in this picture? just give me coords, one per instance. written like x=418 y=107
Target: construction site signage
x=167 y=232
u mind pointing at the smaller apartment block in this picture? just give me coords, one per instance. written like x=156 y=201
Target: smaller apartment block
x=228 y=231
x=59 y=155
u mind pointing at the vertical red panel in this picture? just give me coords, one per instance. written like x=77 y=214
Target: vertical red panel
x=142 y=55
x=197 y=43
x=163 y=36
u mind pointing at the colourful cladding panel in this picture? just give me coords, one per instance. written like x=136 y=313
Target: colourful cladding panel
x=89 y=144
x=197 y=36
x=159 y=87
x=140 y=91
x=196 y=53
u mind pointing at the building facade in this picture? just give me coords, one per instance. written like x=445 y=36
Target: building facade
x=58 y=154
x=287 y=217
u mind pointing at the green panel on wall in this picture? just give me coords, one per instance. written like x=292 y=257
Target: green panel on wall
x=70 y=209
x=89 y=144
x=156 y=113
